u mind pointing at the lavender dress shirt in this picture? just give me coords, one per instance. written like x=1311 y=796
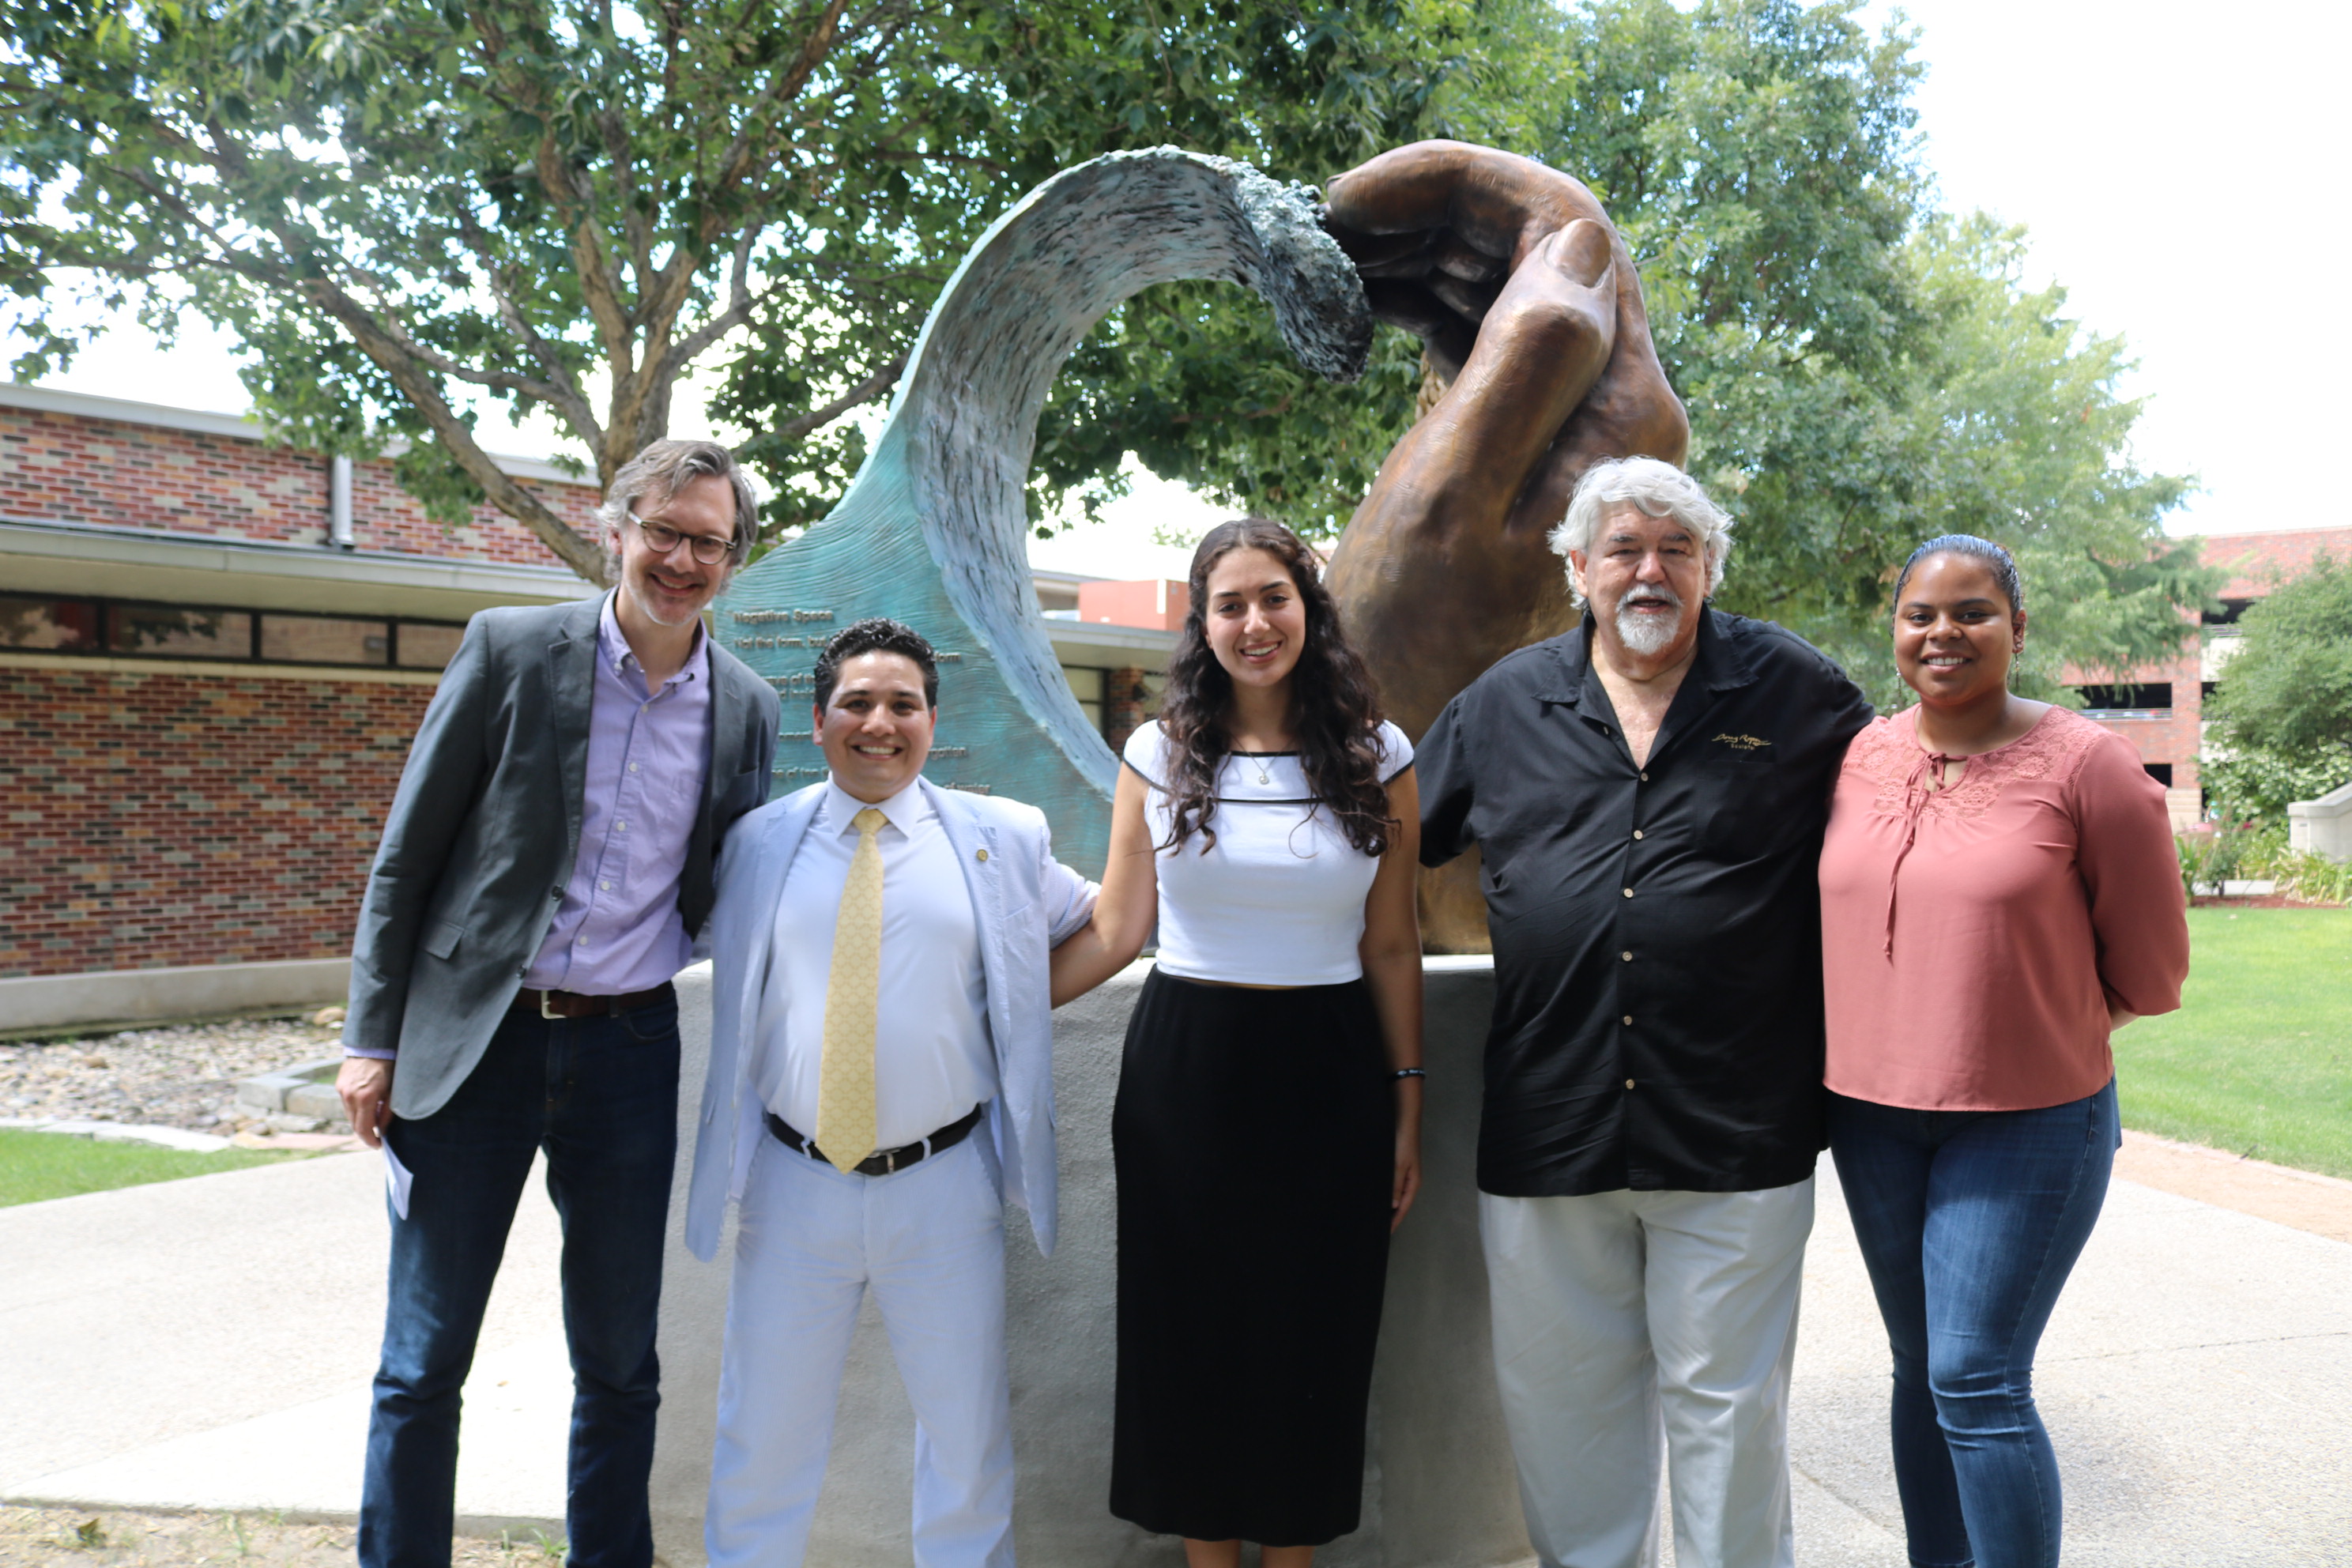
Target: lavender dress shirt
x=618 y=928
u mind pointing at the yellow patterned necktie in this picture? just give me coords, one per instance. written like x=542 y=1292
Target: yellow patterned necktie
x=844 y=1096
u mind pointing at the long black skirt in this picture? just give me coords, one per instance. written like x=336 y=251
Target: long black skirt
x=1254 y=1142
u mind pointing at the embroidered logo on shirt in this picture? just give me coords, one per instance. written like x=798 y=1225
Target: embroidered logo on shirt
x=1742 y=742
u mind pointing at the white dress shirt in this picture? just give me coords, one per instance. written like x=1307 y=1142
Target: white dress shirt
x=933 y=1059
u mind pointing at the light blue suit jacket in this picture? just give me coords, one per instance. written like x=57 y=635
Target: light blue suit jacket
x=1025 y=902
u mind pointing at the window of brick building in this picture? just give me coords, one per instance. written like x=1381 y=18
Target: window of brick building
x=322 y=639
x=38 y=623
x=2160 y=771
x=176 y=631
x=425 y=645
x=49 y=624
x=2139 y=698
x=1087 y=686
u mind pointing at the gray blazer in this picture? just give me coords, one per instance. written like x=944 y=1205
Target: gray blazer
x=479 y=844
x=1026 y=903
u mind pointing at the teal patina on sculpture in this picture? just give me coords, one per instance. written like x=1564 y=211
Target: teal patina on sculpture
x=934 y=532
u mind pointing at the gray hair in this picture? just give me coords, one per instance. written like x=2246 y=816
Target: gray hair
x=1659 y=488
x=664 y=468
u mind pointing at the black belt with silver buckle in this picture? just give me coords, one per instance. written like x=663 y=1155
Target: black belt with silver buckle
x=883 y=1161
x=573 y=1005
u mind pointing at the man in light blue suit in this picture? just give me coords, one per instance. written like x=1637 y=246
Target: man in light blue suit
x=881 y=1081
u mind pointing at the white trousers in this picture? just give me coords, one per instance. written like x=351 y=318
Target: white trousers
x=929 y=1242
x=1623 y=1316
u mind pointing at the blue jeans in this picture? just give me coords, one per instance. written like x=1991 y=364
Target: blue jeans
x=600 y=1096
x=1969 y=1222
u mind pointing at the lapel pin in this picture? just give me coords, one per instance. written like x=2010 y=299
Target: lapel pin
x=979 y=854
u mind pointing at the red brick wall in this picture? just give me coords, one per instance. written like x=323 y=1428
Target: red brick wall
x=2255 y=561
x=148 y=821
x=65 y=468
x=1127 y=704
x=2173 y=740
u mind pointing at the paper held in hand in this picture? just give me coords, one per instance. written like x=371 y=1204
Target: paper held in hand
x=396 y=1179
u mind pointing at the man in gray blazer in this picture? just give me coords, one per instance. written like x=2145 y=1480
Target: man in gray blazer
x=881 y=1081
x=546 y=865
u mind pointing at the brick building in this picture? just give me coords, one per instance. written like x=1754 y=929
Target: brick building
x=2159 y=708
x=213 y=655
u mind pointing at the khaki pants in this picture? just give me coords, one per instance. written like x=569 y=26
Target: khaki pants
x=1624 y=1318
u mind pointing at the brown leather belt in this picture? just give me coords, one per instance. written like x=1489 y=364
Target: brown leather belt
x=882 y=1161
x=573 y=1005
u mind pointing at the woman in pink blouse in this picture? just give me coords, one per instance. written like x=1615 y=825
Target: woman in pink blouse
x=1998 y=894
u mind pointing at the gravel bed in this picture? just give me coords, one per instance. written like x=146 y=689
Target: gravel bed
x=181 y=1075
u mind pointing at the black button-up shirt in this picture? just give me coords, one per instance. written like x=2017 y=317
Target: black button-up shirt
x=1657 y=929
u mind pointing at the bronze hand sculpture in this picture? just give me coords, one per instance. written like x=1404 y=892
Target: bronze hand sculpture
x=1527 y=303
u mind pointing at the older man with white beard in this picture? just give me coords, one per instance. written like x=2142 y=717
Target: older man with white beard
x=1648 y=793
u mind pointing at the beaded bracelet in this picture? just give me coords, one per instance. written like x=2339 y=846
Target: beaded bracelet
x=1408 y=1072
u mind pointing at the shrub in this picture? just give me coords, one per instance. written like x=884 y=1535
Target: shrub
x=2255 y=785
x=2232 y=852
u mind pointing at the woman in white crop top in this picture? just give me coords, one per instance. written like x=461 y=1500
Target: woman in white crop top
x=1267 y=1133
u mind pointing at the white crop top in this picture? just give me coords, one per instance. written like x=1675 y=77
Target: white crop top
x=1279 y=898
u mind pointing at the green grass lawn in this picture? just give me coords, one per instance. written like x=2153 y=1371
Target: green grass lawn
x=38 y=1166
x=2259 y=1058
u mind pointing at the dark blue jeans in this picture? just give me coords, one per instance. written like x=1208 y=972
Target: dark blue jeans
x=600 y=1096
x=1969 y=1222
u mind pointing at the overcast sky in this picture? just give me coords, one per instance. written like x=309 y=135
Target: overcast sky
x=2172 y=164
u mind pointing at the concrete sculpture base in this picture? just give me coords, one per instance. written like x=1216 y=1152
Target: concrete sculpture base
x=1438 y=1486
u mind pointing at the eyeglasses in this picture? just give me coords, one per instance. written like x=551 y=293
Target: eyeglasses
x=661 y=538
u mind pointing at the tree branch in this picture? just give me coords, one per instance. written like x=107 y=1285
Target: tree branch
x=573 y=549
x=564 y=395
x=735 y=163
x=866 y=391
x=741 y=303
x=435 y=360
x=396 y=358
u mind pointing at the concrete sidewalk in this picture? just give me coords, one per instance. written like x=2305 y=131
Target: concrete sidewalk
x=207 y=1344
x=2197 y=1382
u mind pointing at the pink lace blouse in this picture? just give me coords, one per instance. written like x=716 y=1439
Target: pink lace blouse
x=1973 y=936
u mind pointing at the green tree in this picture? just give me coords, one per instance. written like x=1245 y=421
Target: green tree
x=2283 y=711
x=1194 y=380
x=400 y=207
x=2000 y=418
x=1863 y=370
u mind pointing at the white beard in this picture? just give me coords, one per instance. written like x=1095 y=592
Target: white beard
x=1646 y=634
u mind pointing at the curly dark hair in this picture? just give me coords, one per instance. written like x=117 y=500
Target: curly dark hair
x=876 y=634
x=1334 y=711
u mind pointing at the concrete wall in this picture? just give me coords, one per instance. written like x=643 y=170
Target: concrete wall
x=126 y=996
x=1439 y=1491
x=2323 y=827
